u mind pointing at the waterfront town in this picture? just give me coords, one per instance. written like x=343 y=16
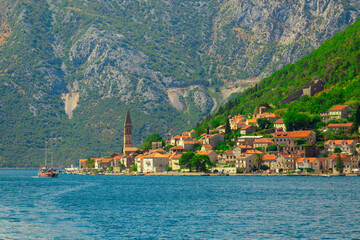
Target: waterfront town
x=253 y=149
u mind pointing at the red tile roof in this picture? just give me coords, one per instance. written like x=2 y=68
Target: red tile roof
x=348 y=125
x=338 y=142
x=310 y=160
x=205 y=152
x=279 y=121
x=343 y=157
x=339 y=108
x=229 y=152
x=177 y=148
x=264 y=140
x=294 y=134
x=246 y=127
x=269 y=157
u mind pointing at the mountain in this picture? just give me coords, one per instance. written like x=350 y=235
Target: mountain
x=70 y=69
x=336 y=63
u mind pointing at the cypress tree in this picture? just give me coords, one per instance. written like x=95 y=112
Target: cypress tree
x=227 y=126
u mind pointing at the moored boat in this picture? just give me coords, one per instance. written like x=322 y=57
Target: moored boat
x=47 y=172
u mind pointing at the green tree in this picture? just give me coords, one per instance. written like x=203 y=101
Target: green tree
x=259 y=160
x=339 y=164
x=271 y=148
x=263 y=123
x=185 y=160
x=155 y=137
x=90 y=163
x=357 y=119
x=200 y=162
x=264 y=167
x=168 y=169
x=337 y=150
x=134 y=167
x=296 y=121
x=227 y=126
x=207 y=129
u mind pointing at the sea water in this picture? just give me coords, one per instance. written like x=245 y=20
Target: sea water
x=177 y=207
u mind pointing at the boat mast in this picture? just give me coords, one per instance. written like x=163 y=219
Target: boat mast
x=52 y=151
x=45 y=154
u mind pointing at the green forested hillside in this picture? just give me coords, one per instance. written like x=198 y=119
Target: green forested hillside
x=337 y=62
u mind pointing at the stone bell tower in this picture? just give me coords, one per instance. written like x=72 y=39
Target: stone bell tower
x=127 y=131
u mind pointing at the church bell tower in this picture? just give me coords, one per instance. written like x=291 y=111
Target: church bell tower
x=127 y=131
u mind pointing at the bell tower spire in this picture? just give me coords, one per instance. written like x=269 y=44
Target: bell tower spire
x=128 y=131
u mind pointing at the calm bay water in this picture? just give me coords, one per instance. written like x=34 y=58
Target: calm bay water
x=125 y=207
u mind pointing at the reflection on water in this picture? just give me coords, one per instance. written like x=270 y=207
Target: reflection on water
x=123 y=207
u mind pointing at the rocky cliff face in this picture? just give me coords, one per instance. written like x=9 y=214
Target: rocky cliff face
x=255 y=38
x=169 y=62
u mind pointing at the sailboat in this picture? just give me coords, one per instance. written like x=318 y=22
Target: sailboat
x=46 y=171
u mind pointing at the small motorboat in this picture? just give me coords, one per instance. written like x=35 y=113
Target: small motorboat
x=326 y=175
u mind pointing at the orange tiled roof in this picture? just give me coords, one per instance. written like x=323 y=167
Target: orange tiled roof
x=301 y=134
x=267 y=115
x=155 y=155
x=310 y=160
x=177 y=148
x=246 y=127
x=338 y=142
x=207 y=146
x=339 y=108
x=253 y=151
x=269 y=157
x=229 y=152
x=245 y=146
x=106 y=160
x=205 y=152
x=83 y=160
x=343 y=157
x=177 y=137
x=130 y=149
x=264 y=140
x=294 y=134
x=340 y=125
x=252 y=120
x=176 y=156
x=279 y=121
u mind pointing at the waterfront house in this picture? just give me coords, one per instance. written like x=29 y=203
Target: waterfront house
x=154 y=162
x=346 y=146
x=174 y=161
x=270 y=161
x=350 y=163
x=286 y=162
x=105 y=163
x=304 y=163
x=245 y=162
